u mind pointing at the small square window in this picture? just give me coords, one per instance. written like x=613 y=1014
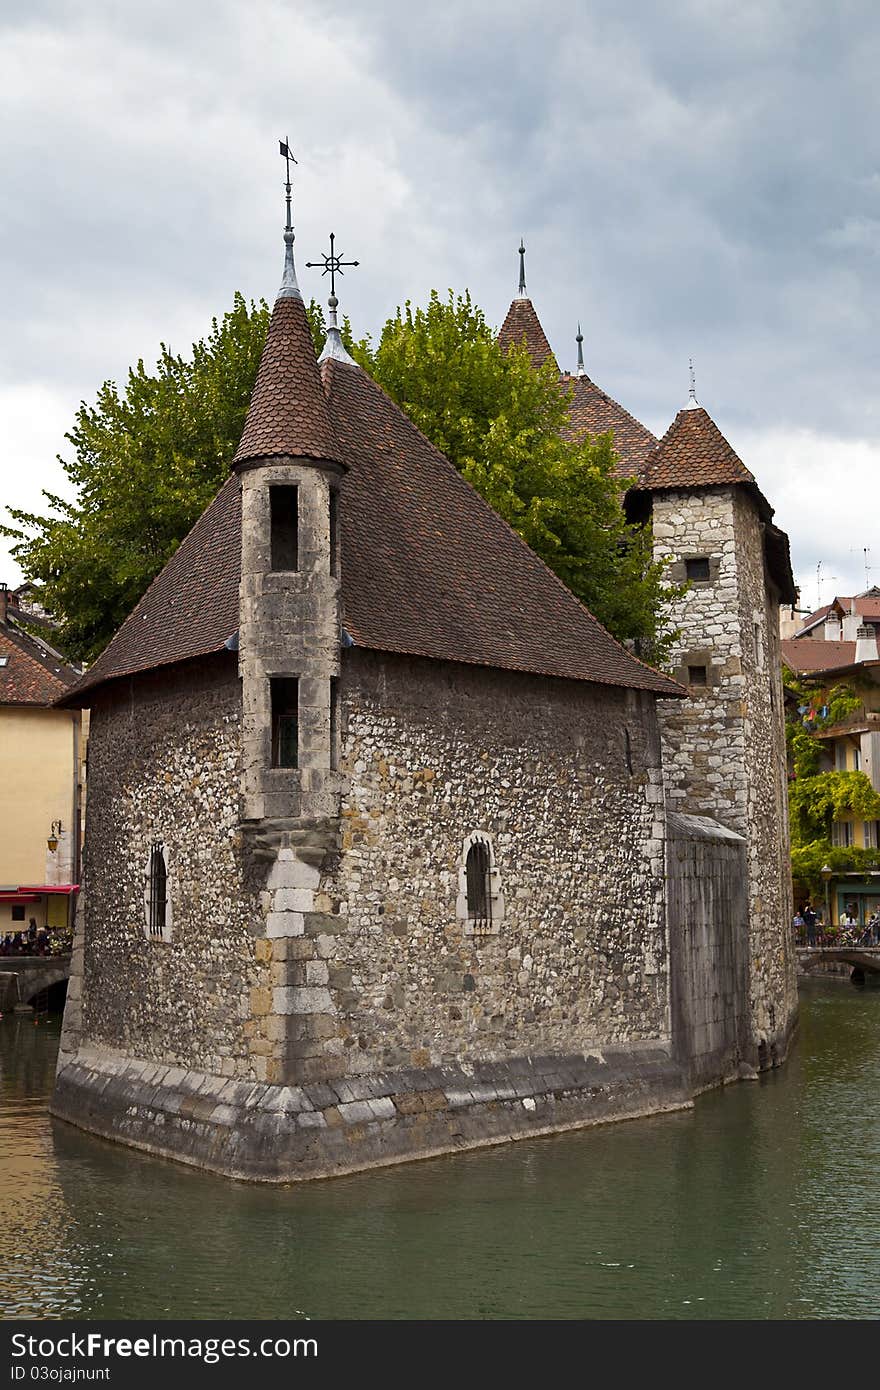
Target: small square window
x=697 y=675
x=285 y=721
x=284 y=518
x=18 y=912
x=697 y=568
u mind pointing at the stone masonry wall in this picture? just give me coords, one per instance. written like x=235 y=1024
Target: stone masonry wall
x=774 y=967
x=165 y=764
x=381 y=957
x=723 y=748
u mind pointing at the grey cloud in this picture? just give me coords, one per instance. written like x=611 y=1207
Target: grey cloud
x=699 y=178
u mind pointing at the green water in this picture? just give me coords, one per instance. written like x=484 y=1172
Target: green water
x=759 y=1203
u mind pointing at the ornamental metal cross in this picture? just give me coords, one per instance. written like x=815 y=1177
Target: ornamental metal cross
x=332 y=264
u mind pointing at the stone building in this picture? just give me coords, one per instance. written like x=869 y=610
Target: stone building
x=723 y=748
x=378 y=850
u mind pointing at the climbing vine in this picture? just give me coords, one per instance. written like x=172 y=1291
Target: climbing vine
x=816 y=801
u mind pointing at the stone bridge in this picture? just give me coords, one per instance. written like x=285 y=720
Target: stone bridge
x=24 y=977
x=865 y=960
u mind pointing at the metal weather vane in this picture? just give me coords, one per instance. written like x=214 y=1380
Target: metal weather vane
x=289 y=287
x=332 y=266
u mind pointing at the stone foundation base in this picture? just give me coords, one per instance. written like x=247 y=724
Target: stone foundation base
x=288 y=1133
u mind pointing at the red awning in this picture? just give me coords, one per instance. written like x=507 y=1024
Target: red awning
x=17 y=895
x=66 y=888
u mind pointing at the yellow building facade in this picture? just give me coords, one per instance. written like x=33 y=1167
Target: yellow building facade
x=41 y=776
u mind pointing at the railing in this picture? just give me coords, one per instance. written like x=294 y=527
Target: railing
x=840 y=938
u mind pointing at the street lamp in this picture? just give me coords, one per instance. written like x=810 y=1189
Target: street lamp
x=826 y=873
x=52 y=841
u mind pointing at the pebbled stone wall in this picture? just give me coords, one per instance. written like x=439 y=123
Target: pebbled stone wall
x=165 y=764
x=434 y=752
x=724 y=748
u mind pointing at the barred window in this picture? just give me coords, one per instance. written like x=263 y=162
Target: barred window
x=480 y=904
x=479 y=899
x=157 y=904
x=158 y=889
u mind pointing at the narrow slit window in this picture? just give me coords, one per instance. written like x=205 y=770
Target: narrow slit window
x=334 y=723
x=158 y=889
x=697 y=675
x=284 y=513
x=628 y=750
x=285 y=721
x=697 y=568
x=334 y=530
x=479 y=898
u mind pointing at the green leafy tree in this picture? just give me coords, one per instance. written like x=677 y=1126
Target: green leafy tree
x=144 y=464
x=146 y=461
x=503 y=424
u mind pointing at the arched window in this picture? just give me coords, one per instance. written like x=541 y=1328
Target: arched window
x=157 y=905
x=480 y=904
x=479 y=899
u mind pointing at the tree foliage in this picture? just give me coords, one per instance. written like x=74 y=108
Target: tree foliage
x=145 y=462
x=503 y=424
x=815 y=802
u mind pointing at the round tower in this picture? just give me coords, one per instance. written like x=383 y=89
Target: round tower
x=289 y=467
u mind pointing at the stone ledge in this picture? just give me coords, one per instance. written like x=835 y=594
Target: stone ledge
x=288 y=1133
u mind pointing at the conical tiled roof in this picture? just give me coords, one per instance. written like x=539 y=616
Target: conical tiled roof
x=592 y=411
x=288 y=409
x=428 y=568
x=694 y=453
x=522 y=325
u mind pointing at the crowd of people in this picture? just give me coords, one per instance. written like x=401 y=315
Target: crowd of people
x=811 y=930
x=30 y=941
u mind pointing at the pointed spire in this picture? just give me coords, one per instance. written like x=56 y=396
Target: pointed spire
x=581 y=369
x=287 y=414
x=289 y=287
x=692 y=402
x=333 y=265
x=522 y=270
x=334 y=346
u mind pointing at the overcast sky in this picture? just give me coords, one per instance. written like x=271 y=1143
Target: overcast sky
x=692 y=178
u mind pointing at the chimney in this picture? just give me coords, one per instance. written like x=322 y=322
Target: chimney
x=866 y=644
x=832 y=628
x=4 y=604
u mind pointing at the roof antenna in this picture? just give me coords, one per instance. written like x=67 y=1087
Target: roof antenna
x=332 y=266
x=692 y=402
x=522 y=269
x=581 y=371
x=866 y=551
x=289 y=288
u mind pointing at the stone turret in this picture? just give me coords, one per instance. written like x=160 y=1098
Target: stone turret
x=289 y=467
x=724 y=748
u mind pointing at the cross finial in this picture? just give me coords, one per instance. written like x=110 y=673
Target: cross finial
x=289 y=287
x=581 y=371
x=692 y=402
x=522 y=269
x=333 y=265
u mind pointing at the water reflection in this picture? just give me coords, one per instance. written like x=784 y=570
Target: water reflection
x=755 y=1204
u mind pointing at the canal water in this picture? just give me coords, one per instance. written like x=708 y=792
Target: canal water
x=761 y=1202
